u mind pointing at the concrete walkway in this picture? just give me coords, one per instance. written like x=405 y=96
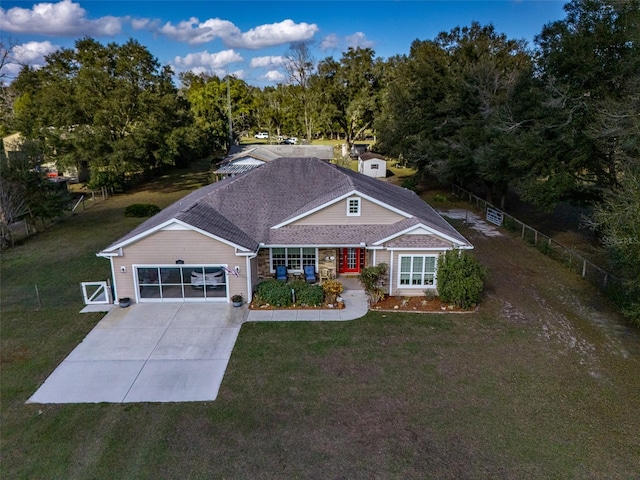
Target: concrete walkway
x=165 y=352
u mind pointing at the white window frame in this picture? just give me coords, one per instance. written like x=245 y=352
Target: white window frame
x=357 y=204
x=423 y=273
x=304 y=259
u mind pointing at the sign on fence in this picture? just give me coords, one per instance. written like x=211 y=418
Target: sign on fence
x=494 y=216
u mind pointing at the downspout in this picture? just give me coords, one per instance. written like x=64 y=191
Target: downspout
x=248 y=259
x=391 y=272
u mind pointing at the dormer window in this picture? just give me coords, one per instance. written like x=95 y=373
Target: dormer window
x=353 y=207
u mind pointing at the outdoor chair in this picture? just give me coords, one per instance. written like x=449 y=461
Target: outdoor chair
x=310 y=274
x=324 y=274
x=281 y=273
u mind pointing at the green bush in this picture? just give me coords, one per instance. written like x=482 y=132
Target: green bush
x=440 y=198
x=410 y=183
x=545 y=248
x=509 y=224
x=372 y=279
x=306 y=294
x=460 y=279
x=141 y=210
x=274 y=293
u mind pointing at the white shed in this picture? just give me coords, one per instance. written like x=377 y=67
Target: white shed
x=372 y=165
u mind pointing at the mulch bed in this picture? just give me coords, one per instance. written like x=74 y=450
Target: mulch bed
x=415 y=304
x=387 y=304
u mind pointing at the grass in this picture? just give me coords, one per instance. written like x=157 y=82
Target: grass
x=482 y=395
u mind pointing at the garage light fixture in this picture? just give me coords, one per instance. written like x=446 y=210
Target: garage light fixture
x=180 y=262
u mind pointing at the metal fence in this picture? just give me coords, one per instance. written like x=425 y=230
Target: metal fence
x=547 y=245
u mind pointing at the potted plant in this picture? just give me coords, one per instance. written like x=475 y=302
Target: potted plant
x=124 y=302
x=236 y=300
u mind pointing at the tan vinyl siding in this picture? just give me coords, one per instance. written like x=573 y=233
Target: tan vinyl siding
x=165 y=247
x=382 y=256
x=336 y=214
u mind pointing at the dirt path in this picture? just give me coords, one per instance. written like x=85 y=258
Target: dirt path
x=529 y=288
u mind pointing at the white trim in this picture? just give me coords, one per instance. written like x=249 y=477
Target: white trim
x=421 y=249
x=435 y=273
x=162 y=226
x=116 y=299
x=247 y=267
x=433 y=231
x=338 y=199
x=358 y=206
x=272 y=270
x=391 y=275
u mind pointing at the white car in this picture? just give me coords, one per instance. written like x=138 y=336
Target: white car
x=291 y=140
x=209 y=279
x=261 y=135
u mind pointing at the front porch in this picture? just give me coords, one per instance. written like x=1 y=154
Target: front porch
x=342 y=264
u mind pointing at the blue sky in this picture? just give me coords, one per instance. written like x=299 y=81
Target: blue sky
x=250 y=38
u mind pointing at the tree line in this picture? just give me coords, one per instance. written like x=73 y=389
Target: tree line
x=559 y=121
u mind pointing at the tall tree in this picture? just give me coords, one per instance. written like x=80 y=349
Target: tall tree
x=209 y=97
x=588 y=63
x=112 y=107
x=451 y=105
x=351 y=90
x=300 y=66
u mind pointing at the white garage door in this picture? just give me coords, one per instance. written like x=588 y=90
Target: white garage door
x=181 y=283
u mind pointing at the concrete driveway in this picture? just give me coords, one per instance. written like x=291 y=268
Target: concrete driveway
x=148 y=353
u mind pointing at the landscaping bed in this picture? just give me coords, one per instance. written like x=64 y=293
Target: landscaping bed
x=393 y=303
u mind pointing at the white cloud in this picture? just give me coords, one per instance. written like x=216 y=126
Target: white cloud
x=359 y=39
x=195 y=32
x=273 y=34
x=205 y=62
x=144 y=23
x=274 y=76
x=267 y=62
x=330 y=42
x=62 y=18
x=30 y=53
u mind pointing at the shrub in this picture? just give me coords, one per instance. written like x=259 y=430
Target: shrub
x=440 y=198
x=509 y=224
x=410 y=183
x=274 y=293
x=545 y=248
x=372 y=279
x=460 y=279
x=141 y=210
x=312 y=295
x=332 y=288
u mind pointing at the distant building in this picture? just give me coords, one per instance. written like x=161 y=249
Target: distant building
x=372 y=165
x=243 y=158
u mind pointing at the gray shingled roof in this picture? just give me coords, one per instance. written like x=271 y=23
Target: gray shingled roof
x=242 y=209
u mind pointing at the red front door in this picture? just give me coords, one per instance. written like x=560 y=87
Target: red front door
x=350 y=260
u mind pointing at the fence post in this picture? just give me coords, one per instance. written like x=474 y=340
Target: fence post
x=584 y=267
x=38 y=296
x=535 y=237
x=523 y=230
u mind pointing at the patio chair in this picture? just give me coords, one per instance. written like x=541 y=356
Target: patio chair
x=310 y=274
x=281 y=273
x=324 y=274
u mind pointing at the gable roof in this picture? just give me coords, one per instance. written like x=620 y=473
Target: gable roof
x=371 y=156
x=244 y=209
